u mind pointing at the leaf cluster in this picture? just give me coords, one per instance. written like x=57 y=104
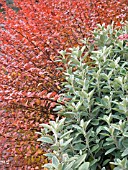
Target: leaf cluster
x=93 y=134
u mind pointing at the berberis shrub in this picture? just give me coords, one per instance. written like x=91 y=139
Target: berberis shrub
x=92 y=131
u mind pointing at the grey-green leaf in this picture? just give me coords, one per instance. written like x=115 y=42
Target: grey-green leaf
x=55 y=161
x=46 y=140
x=125 y=152
x=109 y=151
x=80 y=160
x=84 y=166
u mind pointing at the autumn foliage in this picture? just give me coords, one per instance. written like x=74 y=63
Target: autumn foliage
x=29 y=82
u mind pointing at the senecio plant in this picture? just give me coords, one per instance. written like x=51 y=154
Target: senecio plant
x=92 y=130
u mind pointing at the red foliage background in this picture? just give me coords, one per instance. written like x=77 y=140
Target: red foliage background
x=29 y=82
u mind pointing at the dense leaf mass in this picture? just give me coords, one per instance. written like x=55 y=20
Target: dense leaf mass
x=32 y=32
x=93 y=133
